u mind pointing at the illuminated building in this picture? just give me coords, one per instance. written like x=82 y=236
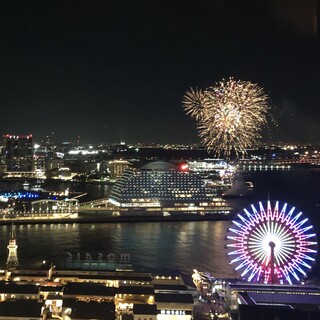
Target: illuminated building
x=40 y=157
x=266 y=301
x=54 y=163
x=117 y=168
x=39 y=162
x=212 y=167
x=18 y=153
x=208 y=165
x=99 y=295
x=3 y=165
x=161 y=187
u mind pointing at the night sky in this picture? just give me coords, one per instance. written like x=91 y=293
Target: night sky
x=117 y=70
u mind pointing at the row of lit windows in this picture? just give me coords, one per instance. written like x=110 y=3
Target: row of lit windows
x=164 y=185
x=124 y=199
x=162 y=191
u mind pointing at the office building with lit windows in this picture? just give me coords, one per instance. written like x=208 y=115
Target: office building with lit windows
x=165 y=189
x=117 y=168
x=18 y=154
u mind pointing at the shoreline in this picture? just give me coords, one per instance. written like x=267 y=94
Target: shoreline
x=116 y=219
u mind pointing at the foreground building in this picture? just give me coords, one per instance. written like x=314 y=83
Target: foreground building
x=264 y=301
x=82 y=294
x=61 y=294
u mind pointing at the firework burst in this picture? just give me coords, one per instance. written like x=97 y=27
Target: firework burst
x=230 y=115
x=194 y=102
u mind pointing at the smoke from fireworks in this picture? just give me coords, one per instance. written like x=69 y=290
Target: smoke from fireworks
x=230 y=115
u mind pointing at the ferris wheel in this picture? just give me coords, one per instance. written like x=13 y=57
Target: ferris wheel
x=271 y=242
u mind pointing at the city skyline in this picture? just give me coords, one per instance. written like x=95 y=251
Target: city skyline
x=118 y=70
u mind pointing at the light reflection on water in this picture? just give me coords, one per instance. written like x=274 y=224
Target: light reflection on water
x=178 y=245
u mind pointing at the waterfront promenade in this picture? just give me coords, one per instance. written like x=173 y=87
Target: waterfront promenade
x=49 y=211
x=105 y=218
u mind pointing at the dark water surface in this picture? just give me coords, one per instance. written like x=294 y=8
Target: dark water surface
x=158 y=245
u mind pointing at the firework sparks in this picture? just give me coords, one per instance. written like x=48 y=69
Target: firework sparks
x=194 y=103
x=230 y=115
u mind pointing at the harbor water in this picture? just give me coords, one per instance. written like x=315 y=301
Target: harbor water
x=160 y=245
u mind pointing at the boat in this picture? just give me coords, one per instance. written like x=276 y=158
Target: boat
x=249 y=185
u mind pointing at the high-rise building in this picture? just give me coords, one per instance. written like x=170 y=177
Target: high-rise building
x=117 y=168
x=18 y=154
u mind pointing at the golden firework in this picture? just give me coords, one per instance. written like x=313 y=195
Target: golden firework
x=230 y=115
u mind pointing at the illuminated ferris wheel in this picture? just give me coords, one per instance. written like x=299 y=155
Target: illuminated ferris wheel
x=271 y=242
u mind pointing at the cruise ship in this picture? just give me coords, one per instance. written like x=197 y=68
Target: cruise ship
x=163 y=188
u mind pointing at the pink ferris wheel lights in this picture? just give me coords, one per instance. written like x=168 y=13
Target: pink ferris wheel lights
x=271 y=242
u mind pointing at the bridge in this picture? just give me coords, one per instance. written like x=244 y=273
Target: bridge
x=279 y=164
x=54 y=206
x=264 y=167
